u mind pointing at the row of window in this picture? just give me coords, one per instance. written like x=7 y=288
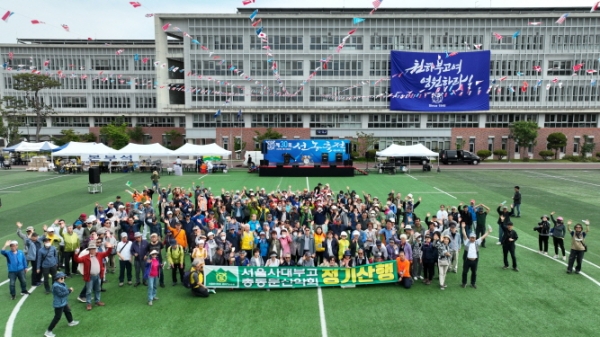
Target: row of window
x=75 y=121
x=117 y=62
x=100 y=102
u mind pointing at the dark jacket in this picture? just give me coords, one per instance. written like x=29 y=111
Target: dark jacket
x=429 y=253
x=543 y=228
x=139 y=248
x=219 y=260
x=335 y=247
x=509 y=235
x=507 y=216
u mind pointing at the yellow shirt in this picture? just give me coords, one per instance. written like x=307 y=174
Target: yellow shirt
x=247 y=241
x=344 y=244
x=319 y=242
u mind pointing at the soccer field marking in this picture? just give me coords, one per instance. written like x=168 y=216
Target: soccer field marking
x=320 y=297
x=553 y=259
x=448 y=194
x=31 y=182
x=6 y=281
x=567 y=179
x=202 y=176
x=443 y=192
x=412 y=177
x=13 y=315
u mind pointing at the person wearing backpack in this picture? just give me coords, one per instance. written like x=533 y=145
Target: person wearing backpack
x=176 y=259
x=471 y=255
x=196 y=279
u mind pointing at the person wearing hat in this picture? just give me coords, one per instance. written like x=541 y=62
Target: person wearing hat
x=543 y=229
x=428 y=259
x=32 y=246
x=151 y=275
x=416 y=267
x=578 y=245
x=176 y=260
x=508 y=245
x=480 y=228
x=273 y=261
x=445 y=253
x=343 y=245
x=200 y=252
x=124 y=253
x=51 y=232
x=274 y=243
x=471 y=255
x=17 y=266
x=178 y=234
x=197 y=279
x=71 y=242
x=139 y=248
x=241 y=260
x=157 y=245
x=380 y=248
x=93 y=269
x=60 y=292
x=47 y=262
x=558 y=235
x=503 y=218
x=347 y=261
x=262 y=244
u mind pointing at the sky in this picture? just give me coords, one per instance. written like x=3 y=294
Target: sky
x=117 y=19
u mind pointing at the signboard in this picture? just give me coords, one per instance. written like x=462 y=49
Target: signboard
x=304 y=150
x=106 y=158
x=321 y=132
x=298 y=277
x=440 y=81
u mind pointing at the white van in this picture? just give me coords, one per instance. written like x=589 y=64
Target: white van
x=257 y=156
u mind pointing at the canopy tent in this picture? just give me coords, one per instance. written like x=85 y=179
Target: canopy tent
x=31 y=147
x=201 y=150
x=417 y=150
x=79 y=149
x=145 y=150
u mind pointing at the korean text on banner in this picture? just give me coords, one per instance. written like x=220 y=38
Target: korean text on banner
x=298 y=277
x=440 y=81
x=299 y=150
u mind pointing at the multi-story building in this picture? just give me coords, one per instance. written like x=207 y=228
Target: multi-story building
x=210 y=62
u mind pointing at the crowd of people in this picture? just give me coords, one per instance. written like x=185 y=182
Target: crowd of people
x=167 y=226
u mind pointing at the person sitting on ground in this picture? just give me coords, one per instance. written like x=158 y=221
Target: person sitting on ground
x=403 y=264
x=197 y=279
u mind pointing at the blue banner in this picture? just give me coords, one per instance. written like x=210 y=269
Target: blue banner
x=440 y=81
x=307 y=151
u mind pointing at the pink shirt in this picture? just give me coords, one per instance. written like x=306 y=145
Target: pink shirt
x=154 y=268
x=285 y=244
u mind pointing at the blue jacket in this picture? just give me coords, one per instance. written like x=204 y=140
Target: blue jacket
x=47 y=257
x=61 y=293
x=140 y=248
x=16 y=262
x=263 y=245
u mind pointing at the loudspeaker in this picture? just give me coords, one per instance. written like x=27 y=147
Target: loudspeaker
x=324 y=157
x=295 y=165
x=338 y=158
x=286 y=158
x=332 y=165
x=264 y=162
x=317 y=165
x=348 y=162
x=348 y=149
x=279 y=165
x=94 y=175
x=263 y=148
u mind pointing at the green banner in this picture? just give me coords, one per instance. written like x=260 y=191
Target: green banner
x=298 y=277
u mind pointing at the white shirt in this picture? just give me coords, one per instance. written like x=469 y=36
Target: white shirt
x=178 y=161
x=124 y=248
x=472 y=248
x=443 y=215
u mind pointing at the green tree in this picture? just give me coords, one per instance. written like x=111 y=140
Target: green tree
x=460 y=143
x=556 y=141
x=12 y=108
x=364 y=142
x=524 y=133
x=500 y=153
x=136 y=134
x=67 y=135
x=268 y=134
x=239 y=144
x=173 y=139
x=32 y=84
x=547 y=154
x=89 y=137
x=115 y=134
x=588 y=146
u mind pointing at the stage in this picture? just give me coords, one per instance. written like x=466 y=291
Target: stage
x=305 y=171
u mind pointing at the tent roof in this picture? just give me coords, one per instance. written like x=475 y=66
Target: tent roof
x=201 y=150
x=146 y=150
x=78 y=149
x=416 y=150
x=31 y=147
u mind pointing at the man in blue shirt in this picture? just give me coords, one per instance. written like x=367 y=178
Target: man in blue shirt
x=17 y=267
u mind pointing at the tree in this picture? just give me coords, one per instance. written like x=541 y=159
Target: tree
x=500 y=153
x=136 y=134
x=547 y=154
x=268 y=134
x=364 y=142
x=68 y=135
x=115 y=134
x=588 y=146
x=89 y=137
x=173 y=139
x=239 y=144
x=484 y=154
x=460 y=143
x=556 y=141
x=524 y=133
x=32 y=84
x=13 y=109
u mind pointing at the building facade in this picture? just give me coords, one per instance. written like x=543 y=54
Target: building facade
x=204 y=63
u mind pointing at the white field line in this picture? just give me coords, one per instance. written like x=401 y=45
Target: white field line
x=202 y=176
x=13 y=315
x=31 y=182
x=412 y=177
x=559 y=261
x=6 y=281
x=445 y=193
x=567 y=179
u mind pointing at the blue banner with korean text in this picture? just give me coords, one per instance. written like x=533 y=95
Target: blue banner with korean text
x=440 y=81
x=305 y=150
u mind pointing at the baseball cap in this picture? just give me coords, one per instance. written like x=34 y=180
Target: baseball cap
x=407 y=227
x=59 y=275
x=83 y=216
x=51 y=229
x=123 y=235
x=13 y=242
x=169 y=212
x=472 y=235
x=137 y=235
x=29 y=229
x=378 y=242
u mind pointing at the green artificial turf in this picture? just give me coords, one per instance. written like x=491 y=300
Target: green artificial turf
x=541 y=299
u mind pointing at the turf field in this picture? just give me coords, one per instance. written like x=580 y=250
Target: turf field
x=541 y=299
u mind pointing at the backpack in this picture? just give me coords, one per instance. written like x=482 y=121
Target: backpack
x=186 y=279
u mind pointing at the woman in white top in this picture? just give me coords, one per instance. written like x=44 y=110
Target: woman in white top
x=256 y=260
x=273 y=261
x=371 y=238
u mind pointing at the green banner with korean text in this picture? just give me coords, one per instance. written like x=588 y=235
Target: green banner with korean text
x=298 y=277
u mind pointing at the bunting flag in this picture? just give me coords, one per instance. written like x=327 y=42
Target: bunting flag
x=377 y=3
x=535 y=23
x=595 y=7
x=46 y=63
x=7 y=15
x=591 y=71
x=516 y=34
x=254 y=14
x=248 y=2
x=166 y=26
x=37 y=22
x=119 y=52
x=537 y=68
x=497 y=36
x=356 y=21
x=256 y=23
x=65 y=27
x=239 y=114
x=578 y=67
x=149 y=15
x=562 y=18
x=477 y=46
x=217 y=114
x=555 y=80
x=10 y=55
x=135 y=4
x=128 y=184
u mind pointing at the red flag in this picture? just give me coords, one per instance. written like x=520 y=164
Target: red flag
x=37 y=22
x=247 y=2
x=46 y=63
x=135 y=4
x=10 y=55
x=256 y=23
x=65 y=27
x=352 y=31
x=497 y=36
x=537 y=68
x=578 y=67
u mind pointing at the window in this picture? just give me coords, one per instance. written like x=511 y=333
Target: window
x=379 y=68
x=144 y=66
x=571 y=42
x=514 y=93
x=214 y=67
x=102 y=121
x=319 y=94
x=571 y=121
x=221 y=42
x=278 y=42
x=504 y=143
x=379 y=94
x=156 y=121
x=472 y=144
x=117 y=63
x=68 y=102
x=328 y=42
x=259 y=94
x=330 y=121
x=339 y=68
x=455 y=42
x=226 y=120
x=108 y=82
x=218 y=94
x=506 y=43
x=72 y=82
x=576 y=141
x=530 y=42
x=491 y=144
x=394 y=121
x=401 y=42
x=452 y=121
x=504 y=120
x=65 y=121
x=113 y=102
x=277 y=120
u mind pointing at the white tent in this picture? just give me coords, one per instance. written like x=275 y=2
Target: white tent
x=90 y=149
x=201 y=150
x=31 y=147
x=417 y=150
x=155 y=150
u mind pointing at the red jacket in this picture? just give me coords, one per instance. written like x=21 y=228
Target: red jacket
x=87 y=263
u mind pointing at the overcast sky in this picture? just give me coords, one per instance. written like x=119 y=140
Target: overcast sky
x=117 y=19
